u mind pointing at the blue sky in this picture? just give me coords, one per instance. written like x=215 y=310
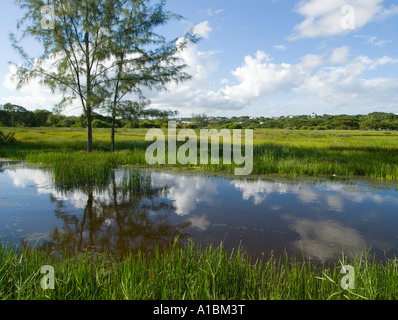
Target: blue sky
x=263 y=58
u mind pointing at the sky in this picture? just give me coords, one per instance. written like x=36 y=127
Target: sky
x=259 y=58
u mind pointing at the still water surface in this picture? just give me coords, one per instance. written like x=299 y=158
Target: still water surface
x=317 y=216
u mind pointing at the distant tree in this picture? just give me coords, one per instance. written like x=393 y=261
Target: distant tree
x=54 y=120
x=200 y=120
x=68 y=122
x=16 y=115
x=13 y=108
x=41 y=117
x=346 y=122
x=100 y=124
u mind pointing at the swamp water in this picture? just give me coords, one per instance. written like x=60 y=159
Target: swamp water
x=317 y=217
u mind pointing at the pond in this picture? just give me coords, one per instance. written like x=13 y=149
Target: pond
x=317 y=217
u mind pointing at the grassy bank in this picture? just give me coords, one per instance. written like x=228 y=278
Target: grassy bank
x=188 y=273
x=342 y=153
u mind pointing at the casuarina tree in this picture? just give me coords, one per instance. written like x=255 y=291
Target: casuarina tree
x=141 y=58
x=97 y=51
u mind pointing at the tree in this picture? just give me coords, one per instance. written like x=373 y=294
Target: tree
x=87 y=47
x=16 y=115
x=74 y=46
x=200 y=120
x=13 y=108
x=141 y=58
x=41 y=117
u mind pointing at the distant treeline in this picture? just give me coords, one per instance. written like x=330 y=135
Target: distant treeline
x=12 y=115
x=17 y=116
x=372 y=121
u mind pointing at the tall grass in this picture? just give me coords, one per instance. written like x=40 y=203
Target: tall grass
x=190 y=273
x=343 y=153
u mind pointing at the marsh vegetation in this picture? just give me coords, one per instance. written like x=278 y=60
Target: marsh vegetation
x=285 y=152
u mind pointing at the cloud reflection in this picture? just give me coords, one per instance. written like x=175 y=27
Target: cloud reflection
x=258 y=190
x=42 y=181
x=323 y=239
x=200 y=222
x=331 y=196
x=186 y=192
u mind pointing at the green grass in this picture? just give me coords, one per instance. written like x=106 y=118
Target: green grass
x=189 y=273
x=283 y=152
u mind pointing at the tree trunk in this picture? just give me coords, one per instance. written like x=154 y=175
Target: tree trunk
x=89 y=132
x=89 y=93
x=113 y=133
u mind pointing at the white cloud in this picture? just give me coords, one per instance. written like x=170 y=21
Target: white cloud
x=378 y=42
x=311 y=61
x=202 y=29
x=32 y=96
x=211 y=13
x=373 y=40
x=325 y=17
x=340 y=55
x=331 y=79
x=347 y=85
x=280 y=47
x=314 y=76
x=189 y=95
x=35 y=95
x=381 y=62
x=387 y=13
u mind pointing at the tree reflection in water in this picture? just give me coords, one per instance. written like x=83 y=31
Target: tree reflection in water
x=125 y=216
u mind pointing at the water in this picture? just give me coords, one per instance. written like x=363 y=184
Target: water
x=317 y=216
